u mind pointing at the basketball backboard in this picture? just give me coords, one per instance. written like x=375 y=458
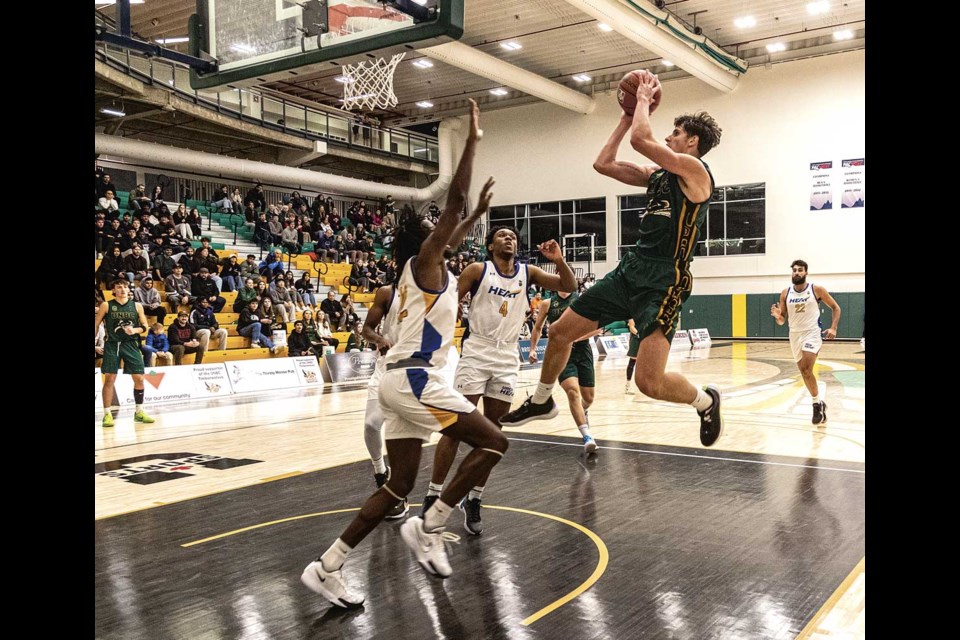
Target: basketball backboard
x=256 y=41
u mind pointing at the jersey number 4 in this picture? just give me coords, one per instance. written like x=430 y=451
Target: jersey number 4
x=503 y=309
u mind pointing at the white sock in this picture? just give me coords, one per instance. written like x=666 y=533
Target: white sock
x=543 y=393
x=816 y=399
x=335 y=556
x=475 y=493
x=139 y=408
x=379 y=466
x=584 y=430
x=436 y=516
x=434 y=489
x=703 y=401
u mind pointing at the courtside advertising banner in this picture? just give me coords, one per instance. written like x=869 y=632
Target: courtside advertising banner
x=681 y=340
x=261 y=375
x=308 y=370
x=613 y=345
x=524 y=347
x=97 y=387
x=175 y=384
x=355 y=366
x=700 y=338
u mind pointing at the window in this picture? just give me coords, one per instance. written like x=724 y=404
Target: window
x=542 y=221
x=735 y=224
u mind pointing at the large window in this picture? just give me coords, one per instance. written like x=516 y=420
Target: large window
x=542 y=221
x=735 y=224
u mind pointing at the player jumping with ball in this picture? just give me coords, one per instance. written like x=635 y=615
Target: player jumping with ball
x=652 y=281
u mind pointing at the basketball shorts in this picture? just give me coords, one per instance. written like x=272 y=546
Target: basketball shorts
x=649 y=290
x=128 y=351
x=801 y=341
x=488 y=368
x=418 y=402
x=580 y=365
x=634 y=346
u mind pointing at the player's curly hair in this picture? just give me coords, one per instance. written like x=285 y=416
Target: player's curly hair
x=799 y=263
x=410 y=235
x=493 y=231
x=703 y=125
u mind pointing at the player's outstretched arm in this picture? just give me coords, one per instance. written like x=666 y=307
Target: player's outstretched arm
x=626 y=172
x=823 y=294
x=563 y=280
x=375 y=314
x=538 y=329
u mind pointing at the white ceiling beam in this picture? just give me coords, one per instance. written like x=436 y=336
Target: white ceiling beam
x=629 y=23
x=459 y=55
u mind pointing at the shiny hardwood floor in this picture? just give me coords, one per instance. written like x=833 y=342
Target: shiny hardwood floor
x=198 y=456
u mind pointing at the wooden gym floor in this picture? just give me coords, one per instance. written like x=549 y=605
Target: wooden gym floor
x=205 y=519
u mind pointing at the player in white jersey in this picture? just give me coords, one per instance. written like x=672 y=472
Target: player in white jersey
x=415 y=400
x=490 y=358
x=800 y=306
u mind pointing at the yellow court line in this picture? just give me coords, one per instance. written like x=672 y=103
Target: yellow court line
x=589 y=582
x=832 y=601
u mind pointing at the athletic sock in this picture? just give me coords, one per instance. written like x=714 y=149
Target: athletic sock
x=630 y=367
x=379 y=466
x=816 y=399
x=434 y=489
x=436 y=516
x=475 y=493
x=334 y=557
x=138 y=399
x=584 y=430
x=543 y=393
x=703 y=401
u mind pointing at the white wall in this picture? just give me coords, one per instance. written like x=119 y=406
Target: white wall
x=774 y=124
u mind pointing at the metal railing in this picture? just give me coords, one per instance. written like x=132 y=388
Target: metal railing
x=273 y=113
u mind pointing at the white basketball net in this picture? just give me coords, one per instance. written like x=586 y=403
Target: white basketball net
x=370 y=84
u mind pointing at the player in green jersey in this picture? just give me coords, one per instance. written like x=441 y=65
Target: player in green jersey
x=124 y=323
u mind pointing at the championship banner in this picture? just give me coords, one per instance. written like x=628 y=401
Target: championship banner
x=308 y=370
x=700 y=338
x=356 y=366
x=524 y=347
x=174 y=384
x=262 y=375
x=821 y=186
x=853 y=184
x=681 y=340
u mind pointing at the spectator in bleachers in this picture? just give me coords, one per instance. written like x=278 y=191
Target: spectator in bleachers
x=178 y=287
x=157 y=196
x=222 y=199
x=204 y=320
x=335 y=221
x=290 y=238
x=202 y=260
x=249 y=213
x=139 y=199
x=351 y=249
x=248 y=325
x=281 y=297
x=358 y=277
x=157 y=344
x=257 y=197
x=332 y=308
x=204 y=287
x=162 y=264
x=291 y=281
x=297 y=342
x=149 y=297
x=108 y=204
x=111 y=267
x=350 y=317
x=164 y=226
x=245 y=294
x=326 y=247
x=318 y=331
x=261 y=231
x=389 y=219
x=452 y=267
x=180 y=222
x=433 y=210
x=374 y=275
x=275 y=228
x=272 y=265
x=263 y=289
x=356 y=341
x=237 y=198
x=105 y=185
x=205 y=244
x=125 y=220
x=183 y=339
x=100 y=233
x=135 y=264
x=376 y=223
x=365 y=244
x=296 y=200
x=230 y=275
x=271 y=318
x=195 y=222
x=249 y=268
x=306 y=289
x=382 y=264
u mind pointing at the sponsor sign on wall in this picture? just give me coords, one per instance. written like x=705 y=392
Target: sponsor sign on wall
x=308 y=370
x=681 y=340
x=355 y=366
x=174 y=384
x=700 y=338
x=261 y=375
x=613 y=345
x=524 y=347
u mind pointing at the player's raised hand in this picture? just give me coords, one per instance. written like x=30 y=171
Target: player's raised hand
x=550 y=250
x=475 y=131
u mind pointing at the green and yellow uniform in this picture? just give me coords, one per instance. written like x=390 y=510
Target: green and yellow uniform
x=653 y=279
x=117 y=344
x=580 y=362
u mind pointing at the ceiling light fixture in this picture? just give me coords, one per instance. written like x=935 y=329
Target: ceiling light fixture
x=604 y=26
x=423 y=63
x=423 y=104
x=666 y=63
x=343 y=79
x=499 y=92
x=109 y=2
x=816 y=8
x=511 y=46
x=843 y=34
x=776 y=47
x=745 y=22
x=113 y=112
x=582 y=78
x=173 y=40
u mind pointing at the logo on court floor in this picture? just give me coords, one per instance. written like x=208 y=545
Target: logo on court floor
x=161 y=467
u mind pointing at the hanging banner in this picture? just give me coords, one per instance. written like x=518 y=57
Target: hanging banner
x=853 y=184
x=821 y=189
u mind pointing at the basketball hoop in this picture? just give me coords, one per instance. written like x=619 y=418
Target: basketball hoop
x=370 y=84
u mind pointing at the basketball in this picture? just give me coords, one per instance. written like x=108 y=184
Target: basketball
x=627 y=92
